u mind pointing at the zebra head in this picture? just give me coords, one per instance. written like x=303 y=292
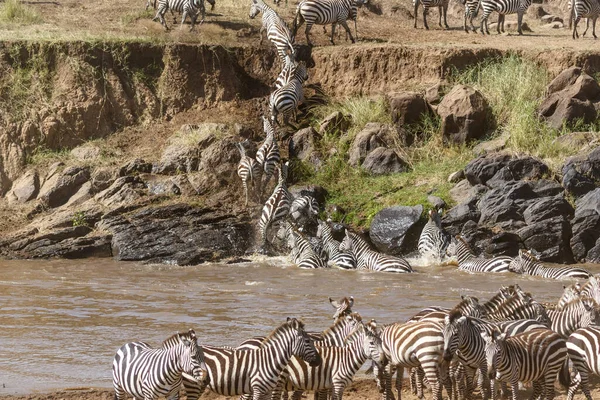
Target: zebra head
x=453 y=323
x=192 y=359
x=434 y=215
x=347 y=243
x=517 y=265
x=470 y=306
x=344 y=305
x=589 y=313
x=367 y=340
x=303 y=346
x=300 y=72
x=570 y=293
x=494 y=349
x=255 y=8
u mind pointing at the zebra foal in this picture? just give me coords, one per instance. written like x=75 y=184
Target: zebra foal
x=148 y=373
x=249 y=171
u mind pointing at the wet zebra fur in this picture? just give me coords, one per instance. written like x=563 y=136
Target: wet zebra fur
x=187 y=7
x=277 y=30
x=304 y=210
x=303 y=254
x=442 y=6
x=234 y=372
x=148 y=373
x=249 y=170
x=516 y=308
x=324 y=12
x=276 y=207
x=341 y=259
x=591 y=288
x=468 y=262
x=433 y=241
x=503 y=7
x=583 y=348
x=286 y=99
x=535 y=356
x=268 y=155
x=527 y=264
x=366 y=258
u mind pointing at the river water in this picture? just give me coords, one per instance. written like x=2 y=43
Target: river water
x=63 y=320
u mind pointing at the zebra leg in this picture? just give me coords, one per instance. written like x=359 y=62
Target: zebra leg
x=425 y=18
x=445 y=9
x=332 y=32
x=484 y=21
x=413 y=380
x=440 y=16
x=307 y=31
x=594 y=27
x=345 y=25
x=583 y=382
x=499 y=24
x=415 y=13
x=575 y=22
x=484 y=383
x=160 y=15
x=420 y=378
x=519 y=22
x=298 y=21
x=432 y=375
x=514 y=388
x=297 y=395
x=338 y=391
x=260 y=34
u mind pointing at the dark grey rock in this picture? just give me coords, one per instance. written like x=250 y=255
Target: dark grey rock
x=102 y=178
x=581 y=173
x=482 y=169
x=395 y=230
x=503 y=244
x=464 y=113
x=495 y=206
x=303 y=145
x=546 y=187
x=407 y=107
x=436 y=201
x=335 y=122
x=372 y=136
x=457 y=176
x=593 y=256
x=550 y=238
x=526 y=168
x=67 y=184
x=591 y=201
x=546 y=208
x=586 y=231
x=134 y=166
x=454 y=220
x=384 y=161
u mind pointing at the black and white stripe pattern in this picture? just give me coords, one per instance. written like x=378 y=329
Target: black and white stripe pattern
x=342 y=306
x=286 y=99
x=504 y=294
x=324 y=12
x=583 y=347
x=535 y=356
x=276 y=28
x=468 y=262
x=503 y=7
x=433 y=241
x=442 y=6
x=304 y=210
x=592 y=288
x=187 y=7
x=235 y=372
x=341 y=259
x=577 y=314
x=471 y=11
x=268 y=155
x=526 y=263
x=303 y=254
x=366 y=258
x=570 y=293
x=248 y=170
x=589 y=9
x=516 y=308
x=143 y=372
x=277 y=206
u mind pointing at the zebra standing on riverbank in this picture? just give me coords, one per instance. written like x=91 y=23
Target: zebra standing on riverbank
x=147 y=373
x=277 y=206
x=187 y=7
x=468 y=262
x=577 y=314
x=526 y=263
x=287 y=98
x=433 y=240
x=324 y=12
x=503 y=7
x=341 y=259
x=583 y=347
x=589 y=9
x=366 y=258
x=442 y=6
x=277 y=30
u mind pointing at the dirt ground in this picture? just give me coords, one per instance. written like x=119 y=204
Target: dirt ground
x=361 y=389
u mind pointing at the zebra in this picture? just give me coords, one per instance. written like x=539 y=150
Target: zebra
x=248 y=170
x=302 y=253
x=324 y=12
x=342 y=306
x=234 y=372
x=503 y=7
x=433 y=241
x=277 y=206
x=583 y=348
x=469 y=305
x=535 y=356
x=304 y=210
x=188 y=7
x=341 y=259
x=286 y=99
x=339 y=363
x=515 y=308
x=276 y=28
x=408 y=345
x=468 y=262
x=592 y=288
x=427 y=4
x=526 y=263
x=589 y=9
x=147 y=373
x=366 y=258
x=287 y=72
x=471 y=11
x=268 y=155
x=570 y=293
x=577 y=314
x=495 y=302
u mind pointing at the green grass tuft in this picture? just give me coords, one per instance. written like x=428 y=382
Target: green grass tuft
x=16 y=12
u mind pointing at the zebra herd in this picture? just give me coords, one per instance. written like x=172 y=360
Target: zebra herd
x=507 y=340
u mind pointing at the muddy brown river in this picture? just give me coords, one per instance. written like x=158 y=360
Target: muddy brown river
x=63 y=320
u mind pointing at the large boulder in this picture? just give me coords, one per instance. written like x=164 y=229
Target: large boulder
x=581 y=173
x=383 y=161
x=407 y=107
x=303 y=146
x=546 y=208
x=395 y=230
x=64 y=186
x=526 y=168
x=465 y=114
x=372 y=136
x=334 y=123
x=25 y=188
x=454 y=220
x=571 y=97
x=586 y=232
x=482 y=169
x=504 y=203
x=550 y=238
x=591 y=201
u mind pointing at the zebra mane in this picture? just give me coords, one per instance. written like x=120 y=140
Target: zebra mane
x=291 y=323
x=174 y=339
x=454 y=315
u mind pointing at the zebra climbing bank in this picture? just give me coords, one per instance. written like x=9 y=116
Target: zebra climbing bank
x=275 y=27
x=268 y=155
x=143 y=372
x=433 y=240
x=286 y=99
x=249 y=171
x=187 y=7
x=341 y=259
x=277 y=206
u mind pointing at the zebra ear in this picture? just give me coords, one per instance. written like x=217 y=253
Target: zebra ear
x=462 y=320
x=350 y=301
x=334 y=303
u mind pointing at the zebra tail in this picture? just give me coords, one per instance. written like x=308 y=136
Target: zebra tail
x=564 y=375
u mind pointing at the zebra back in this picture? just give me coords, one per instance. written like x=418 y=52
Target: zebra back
x=526 y=263
x=571 y=292
x=576 y=314
x=592 y=288
x=433 y=242
x=369 y=259
x=302 y=252
x=468 y=262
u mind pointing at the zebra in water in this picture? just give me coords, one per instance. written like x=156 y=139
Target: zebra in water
x=366 y=258
x=589 y=9
x=268 y=155
x=277 y=206
x=234 y=372
x=341 y=259
x=248 y=170
x=187 y=7
x=527 y=264
x=276 y=28
x=303 y=253
x=577 y=314
x=433 y=240
x=304 y=210
x=147 y=373
x=324 y=12
x=468 y=262
x=583 y=348
x=442 y=6
x=503 y=7
x=286 y=99
x=535 y=356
